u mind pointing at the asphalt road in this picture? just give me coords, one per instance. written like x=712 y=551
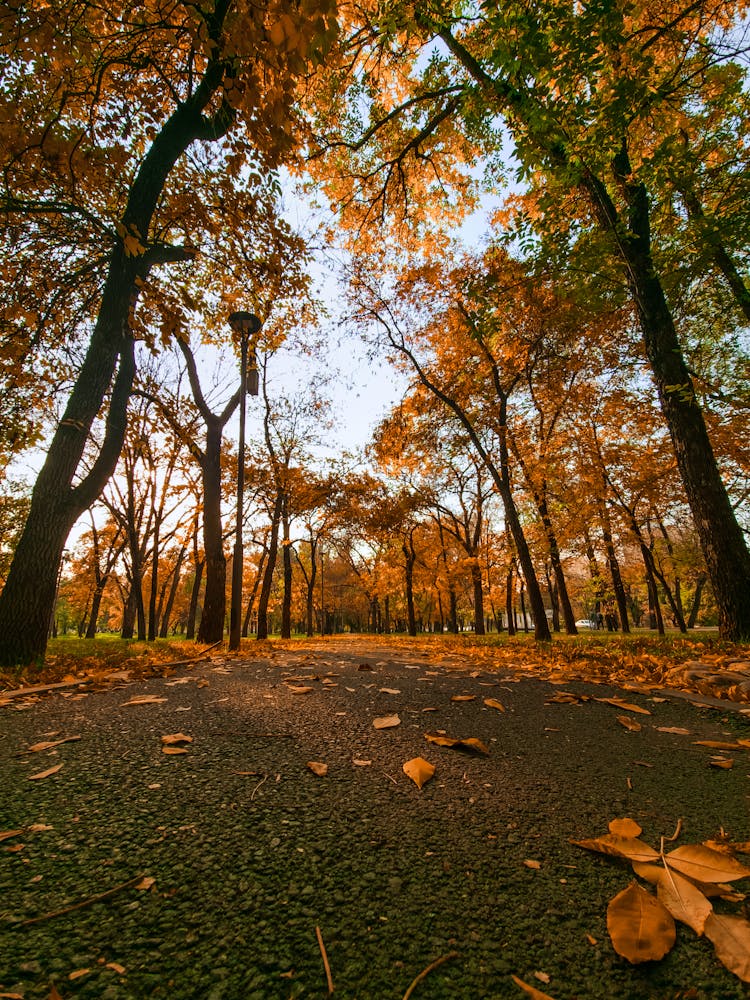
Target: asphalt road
x=246 y=851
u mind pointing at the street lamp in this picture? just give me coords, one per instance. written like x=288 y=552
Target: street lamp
x=244 y=325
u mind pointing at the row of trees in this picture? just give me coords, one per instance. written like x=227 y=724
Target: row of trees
x=140 y=200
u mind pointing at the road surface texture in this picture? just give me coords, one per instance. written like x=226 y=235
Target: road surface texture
x=216 y=865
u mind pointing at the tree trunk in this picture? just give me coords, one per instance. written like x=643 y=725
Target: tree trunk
x=211 y=628
x=410 y=557
x=172 y=595
x=194 y=596
x=613 y=566
x=273 y=548
x=699 y=585
x=509 y=601
x=96 y=602
x=286 y=602
x=476 y=581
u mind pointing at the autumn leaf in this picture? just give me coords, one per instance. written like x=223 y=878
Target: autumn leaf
x=303 y=689
x=718 y=745
x=317 y=767
x=419 y=770
x=730 y=937
x=144 y=699
x=47 y=745
x=72 y=976
x=534 y=865
x=626 y=705
x=146 y=882
x=361 y=763
x=386 y=722
x=173 y=751
x=494 y=703
x=676 y=730
x=684 y=901
x=463 y=697
x=531 y=991
x=175 y=739
x=45 y=774
x=641 y=928
x=706 y=865
x=11 y=833
x=629 y=724
x=629 y=848
x=470 y=744
x=115 y=967
x=389 y=690
x=723 y=763
x=625 y=828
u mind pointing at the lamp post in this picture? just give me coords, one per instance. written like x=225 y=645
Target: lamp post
x=244 y=325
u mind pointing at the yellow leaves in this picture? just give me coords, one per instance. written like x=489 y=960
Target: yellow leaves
x=625 y=705
x=46 y=774
x=463 y=697
x=730 y=937
x=318 y=767
x=705 y=864
x=386 y=722
x=641 y=928
x=419 y=770
x=624 y=828
x=684 y=901
x=131 y=240
x=470 y=744
x=629 y=848
x=175 y=743
x=494 y=703
x=630 y=724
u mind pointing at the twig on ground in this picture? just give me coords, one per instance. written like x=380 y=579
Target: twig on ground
x=427 y=971
x=676 y=834
x=391 y=777
x=326 y=966
x=84 y=902
x=264 y=779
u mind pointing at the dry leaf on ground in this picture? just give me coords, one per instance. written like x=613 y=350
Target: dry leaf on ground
x=146 y=882
x=318 y=767
x=494 y=703
x=144 y=699
x=706 y=865
x=305 y=689
x=48 y=744
x=534 y=865
x=626 y=705
x=531 y=991
x=629 y=848
x=389 y=690
x=463 y=697
x=419 y=770
x=6 y=834
x=629 y=724
x=386 y=722
x=684 y=901
x=730 y=937
x=470 y=744
x=361 y=763
x=676 y=730
x=641 y=928
x=175 y=739
x=625 y=827
x=45 y=774
x=719 y=745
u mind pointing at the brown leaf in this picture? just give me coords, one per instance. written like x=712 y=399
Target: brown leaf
x=625 y=828
x=173 y=751
x=723 y=763
x=629 y=724
x=625 y=705
x=534 y=865
x=620 y=847
x=116 y=967
x=361 y=763
x=72 y=976
x=531 y=991
x=45 y=774
x=7 y=834
x=146 y=882
x=304 y=689
x=718 y=745
x=53 y=993
x=471 y=743
x=389 y=690
x=494 y=703
x=176 y=739
x=463 y=697
x=386 y=722
x=144 y=699
x=677 y=730
x=684 y=901
x=317 y=767
x=419 y=770
x=730 y=937
x=641 y=928
x=47 y=745
x=706 y=865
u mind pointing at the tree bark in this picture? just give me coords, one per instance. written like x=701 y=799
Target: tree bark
x=273 y=548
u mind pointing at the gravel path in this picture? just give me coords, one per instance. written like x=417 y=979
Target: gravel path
x=249 y=851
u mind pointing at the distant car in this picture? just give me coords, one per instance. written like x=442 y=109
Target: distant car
x=585 y=623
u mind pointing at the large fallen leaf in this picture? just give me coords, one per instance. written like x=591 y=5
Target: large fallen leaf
x=625 y=705
x=494 y=703
x=318 y=767
x=706 y=865
x=470 y=744
x=641 y=928
x=175 y=739
x=144 y=699
x=730 y=937
x=531 y=991
x=386 y=722
x=630 y=724
x=48 y=744
x=419 y=770
x=718 y=745
x=7 y=834
x=45 y=774
x=684 y=900
x=304 y=689
x=625 y=827
x=629 y=848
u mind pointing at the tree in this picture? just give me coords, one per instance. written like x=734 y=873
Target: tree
x=106 y=105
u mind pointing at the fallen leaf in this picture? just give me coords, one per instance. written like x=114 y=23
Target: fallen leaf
x=299 y=690
x=730 y=937
x=494 y=703
x=531 y=991
x=591 y=939
x=45 y=774
x=463 y=697
x=317 y=767
x=629 y=724
x=116 y=967
x=362 y=763
x=542 y=977
x=471 y=743
x=706 y=865
x=641 y=928
x=173 y=751
x=386 y=722
x=620 y=847
x=48 y=744
x=419 y=770
x=625 y=828
x=175 y=739
x=144 y=699
x=11 y=833
x=625 y=705
x=724 y=763
x=10 y=996
x=146 y=882
x=684 y=901
x=534 y=865
x=77 y=974
x=677 y=730
x=389 y=690
x=718 y=745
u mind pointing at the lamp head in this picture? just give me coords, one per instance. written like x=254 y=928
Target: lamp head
x=244 y=323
